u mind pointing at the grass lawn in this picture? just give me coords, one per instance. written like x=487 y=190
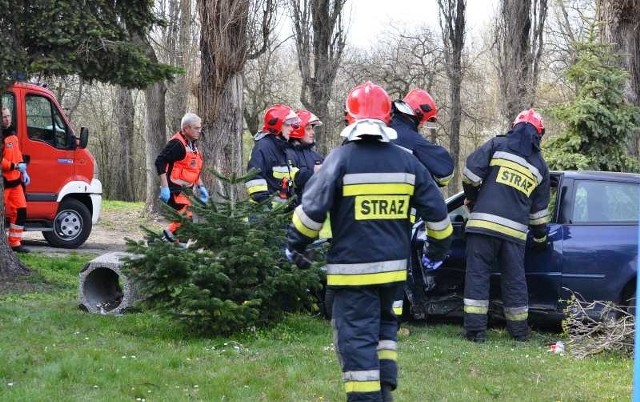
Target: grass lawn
x=52 y=351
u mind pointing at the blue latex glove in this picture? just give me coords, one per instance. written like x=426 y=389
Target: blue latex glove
x=165 y=194
x=22 y=167
x=203 y=194
x=428 y=265
x=25 y=178
x=301 y=260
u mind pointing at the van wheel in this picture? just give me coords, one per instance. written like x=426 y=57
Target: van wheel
x=71 y=226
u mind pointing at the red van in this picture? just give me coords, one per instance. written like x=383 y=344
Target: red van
x=65 y=195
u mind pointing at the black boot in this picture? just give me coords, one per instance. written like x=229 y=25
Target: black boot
x=474 y=336
x=386 y=393
x=20 y=249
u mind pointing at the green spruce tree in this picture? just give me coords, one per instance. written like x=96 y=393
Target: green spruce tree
x=599 y=120
x=233 y=274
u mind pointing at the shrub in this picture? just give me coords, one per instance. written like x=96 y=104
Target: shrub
x=231 y=275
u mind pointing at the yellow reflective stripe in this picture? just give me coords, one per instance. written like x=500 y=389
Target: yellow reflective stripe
x=282 y=172
x=397 y=311
x=470 y=178
x=539 y=221
x=256 y=189
x=388 y=355
x=302 y=228
x=516 y=317
x=540 y=240
x=362 y=386
x=476 y=310
x=366 y=279
x=440 y=234
x=443 y=181
x=497 y=228
x=515 y=166
x=380 y=188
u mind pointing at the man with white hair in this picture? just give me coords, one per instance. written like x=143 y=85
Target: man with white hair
x=367 y=186
x=179 y=166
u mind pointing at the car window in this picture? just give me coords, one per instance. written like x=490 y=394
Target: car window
x=601 y=201
x=44 y=122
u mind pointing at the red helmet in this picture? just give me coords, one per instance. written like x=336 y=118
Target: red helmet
x=276 y=115
x=422 y=105
x=532 y=117
x=368 y=101
x=306 y=118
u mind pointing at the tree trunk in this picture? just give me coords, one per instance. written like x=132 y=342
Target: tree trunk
x=452 y=24
x=320 y=41
x=519 y=37
x=10 y=265
x=155 y=135
x=620 y=28
x=222 y=139
x=124 y=116
x=179 y=44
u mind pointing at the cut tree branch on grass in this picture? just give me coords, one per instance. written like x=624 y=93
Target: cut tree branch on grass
x=597 y=327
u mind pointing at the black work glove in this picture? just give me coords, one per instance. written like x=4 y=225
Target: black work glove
x=540 y=244
x=301 y=260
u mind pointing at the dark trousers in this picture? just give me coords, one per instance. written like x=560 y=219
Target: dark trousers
x=483 y=253
x=365 y=336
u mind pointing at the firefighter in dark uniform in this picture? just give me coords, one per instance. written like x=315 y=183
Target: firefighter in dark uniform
x=302 y=150
x=416 y=109
x=275 y=172
x=367 y=186
x=179 y=166
x=506 y=186
x=15 y=177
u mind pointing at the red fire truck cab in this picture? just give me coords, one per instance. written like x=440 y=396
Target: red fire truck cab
x=65 y=195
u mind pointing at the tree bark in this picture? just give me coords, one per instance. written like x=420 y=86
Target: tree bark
x=320 y=41
x=620 y=28
x=519 y=38
x=10 y=265
x=452 y=24
x=124 y=115
x=223 y=137
x=155 y=135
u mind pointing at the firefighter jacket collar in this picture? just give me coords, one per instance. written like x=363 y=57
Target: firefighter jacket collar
x=523 y=139
x=369 y=127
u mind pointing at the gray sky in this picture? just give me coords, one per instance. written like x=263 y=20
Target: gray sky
x=369 y=18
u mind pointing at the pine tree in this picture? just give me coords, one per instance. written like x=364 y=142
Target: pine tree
x=233 y=276
x=599 y=120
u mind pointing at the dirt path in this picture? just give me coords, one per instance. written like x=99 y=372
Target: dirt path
x=106 y=236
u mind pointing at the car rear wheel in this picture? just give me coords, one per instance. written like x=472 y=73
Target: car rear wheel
x=71 y=226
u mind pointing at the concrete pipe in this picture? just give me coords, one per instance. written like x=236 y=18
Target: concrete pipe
x=103 y=287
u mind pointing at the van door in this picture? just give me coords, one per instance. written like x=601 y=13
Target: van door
x=49 y=148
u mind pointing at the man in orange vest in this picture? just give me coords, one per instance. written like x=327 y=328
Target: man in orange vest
x=15 y=177
x=179 y=166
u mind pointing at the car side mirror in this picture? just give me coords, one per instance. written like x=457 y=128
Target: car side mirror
x=84 y=137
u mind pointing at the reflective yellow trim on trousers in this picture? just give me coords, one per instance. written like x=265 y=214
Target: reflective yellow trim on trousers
x=496 y=228
x=476 y=310
x=297 y=223
x=516 y=317
x=367 y=279
x=362 y=386
x=372 y=189
x=397 y=311
x=388 y=355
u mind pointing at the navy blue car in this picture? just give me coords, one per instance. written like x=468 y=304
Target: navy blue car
x=593 y=250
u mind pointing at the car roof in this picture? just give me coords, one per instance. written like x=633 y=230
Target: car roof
x=593 y=174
